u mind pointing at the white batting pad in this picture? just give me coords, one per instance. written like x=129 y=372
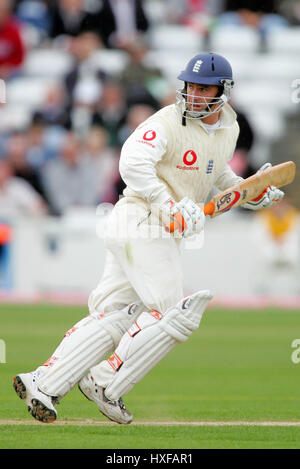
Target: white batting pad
x=149 y=339
x=82 y=347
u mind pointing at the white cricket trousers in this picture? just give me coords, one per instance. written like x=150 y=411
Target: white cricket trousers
x=150 y=267
x=142 y=266
x=143 y=263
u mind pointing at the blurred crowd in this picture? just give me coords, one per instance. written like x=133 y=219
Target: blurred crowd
x=68 y=154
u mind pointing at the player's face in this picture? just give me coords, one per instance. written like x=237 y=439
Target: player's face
x=199 y=96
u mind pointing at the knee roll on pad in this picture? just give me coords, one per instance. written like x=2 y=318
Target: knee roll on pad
x=116 y=323
x=181 y=321
x=177 y=326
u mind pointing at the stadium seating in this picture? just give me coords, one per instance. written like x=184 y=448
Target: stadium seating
x=284 y=41
x=235 y=39
x=261 y=94
x=110 y=61
x=47 y=63
x=169 y=64
x=273 y=68
x=14 y=118
x=28 y=92
x=156 y=11
x=175 y=38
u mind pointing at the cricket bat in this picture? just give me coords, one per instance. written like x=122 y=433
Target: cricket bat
x=249 y=189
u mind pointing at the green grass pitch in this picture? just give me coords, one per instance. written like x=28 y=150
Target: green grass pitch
x=236 y=367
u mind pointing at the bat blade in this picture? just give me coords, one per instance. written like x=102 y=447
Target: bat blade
x=279 y=176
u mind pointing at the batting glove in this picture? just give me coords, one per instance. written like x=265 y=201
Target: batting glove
x=269 y=197
x=192 y=217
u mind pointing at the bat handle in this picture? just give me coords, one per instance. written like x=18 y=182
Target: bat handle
x=209 y=208
x=179 y=224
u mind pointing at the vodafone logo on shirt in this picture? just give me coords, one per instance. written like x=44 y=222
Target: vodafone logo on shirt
x=149 y=135
x=189 y=159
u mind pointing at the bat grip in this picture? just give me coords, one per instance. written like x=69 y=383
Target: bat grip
x=179 y=224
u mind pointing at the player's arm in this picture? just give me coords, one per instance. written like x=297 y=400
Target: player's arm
x=227 y=179
x=139 y=156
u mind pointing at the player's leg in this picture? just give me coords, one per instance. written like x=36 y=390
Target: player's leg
x=150 y=338
x=83 y=346
x=153 y=268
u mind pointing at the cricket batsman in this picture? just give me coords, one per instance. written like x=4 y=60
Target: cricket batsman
x=138 y=312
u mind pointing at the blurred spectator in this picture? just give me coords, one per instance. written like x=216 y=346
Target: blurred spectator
x=83 y=83
x=137 y=71
x=70 y=18
x=197 y=14
x=105 y=162
x=140 y=95
x=120 y=22
x=111 y=110
x=54 y=110
x=67 y=178
x=136 y=115
x=39 y=148
x=12 y=50
x=82 y=49
x=241 y=160
x=34 y=13
x=143 y=83
x=16 y=153
x=175 y=11
x=290 y=9
x=16 y=5
x=86 y=96
x=277 y=238
x=17 y=197
x=263 y=6
x=261 y=15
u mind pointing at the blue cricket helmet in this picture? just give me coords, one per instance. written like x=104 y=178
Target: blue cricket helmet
x=207 y=69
